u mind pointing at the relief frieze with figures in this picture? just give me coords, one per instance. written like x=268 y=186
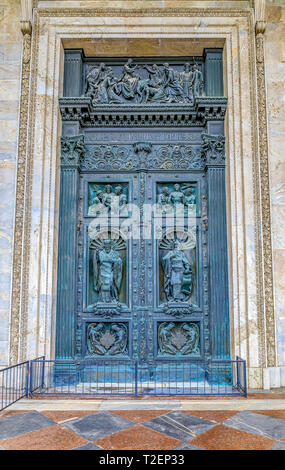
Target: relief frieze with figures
x=144 y=83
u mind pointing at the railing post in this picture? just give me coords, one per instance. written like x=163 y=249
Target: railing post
x=31 y=377
x=27 y=378
x=238 y=381
x=244 y=378
x=43 y=373
x=136 y=379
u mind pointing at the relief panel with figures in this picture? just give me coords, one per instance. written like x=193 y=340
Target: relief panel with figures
x=148 y=208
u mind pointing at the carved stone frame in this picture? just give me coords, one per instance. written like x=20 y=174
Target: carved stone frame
x=32 y=330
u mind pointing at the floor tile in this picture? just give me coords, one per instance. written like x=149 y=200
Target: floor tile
x=279 y=446
x=217 y=416
x=98 y=425
x=179 y=425
x=221 y=437
x=140 y=416
x=61 y=416
x=274 y=413
x=52 y=438
x=22 y=423
x=255 y=423
x=6 y=413
x=265 y=396
x=185 y=446
x=138 y=438
x=88 y=446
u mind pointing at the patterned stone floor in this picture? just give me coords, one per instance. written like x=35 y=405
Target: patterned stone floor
x=142 y=430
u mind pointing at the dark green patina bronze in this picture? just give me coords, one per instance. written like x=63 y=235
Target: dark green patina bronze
x=144 y=131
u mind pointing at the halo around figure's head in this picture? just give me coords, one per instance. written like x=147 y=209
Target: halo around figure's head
x=98 y=236
x=182 y=239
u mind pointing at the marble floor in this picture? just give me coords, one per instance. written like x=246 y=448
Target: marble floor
x=85 y=426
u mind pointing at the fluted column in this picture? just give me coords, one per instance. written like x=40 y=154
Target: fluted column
x=214 y=72
x=214 y=155
x=72 y=149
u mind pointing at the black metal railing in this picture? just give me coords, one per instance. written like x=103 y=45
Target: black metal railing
x=15 y=383
x=37 y=374
x=102 y=377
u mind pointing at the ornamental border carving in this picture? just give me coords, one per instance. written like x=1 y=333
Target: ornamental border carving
x=265 y=196
x=15 y=320
x=263 y=255
x=108 y=12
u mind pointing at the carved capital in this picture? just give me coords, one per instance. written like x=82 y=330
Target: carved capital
x=260 y=27
x=26 y=27
x=72 y=151
x=213 y=149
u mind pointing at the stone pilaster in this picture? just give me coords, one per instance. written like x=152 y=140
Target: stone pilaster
x=270 y=352
x=15 y=320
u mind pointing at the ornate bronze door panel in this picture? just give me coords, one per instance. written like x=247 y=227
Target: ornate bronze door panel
x=142 y=237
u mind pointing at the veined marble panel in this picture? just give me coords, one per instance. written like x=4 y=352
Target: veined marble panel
x=10 y=73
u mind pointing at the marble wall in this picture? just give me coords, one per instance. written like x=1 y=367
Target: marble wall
x=243 y=292
x=10 y=72
x=40 y=262
x=275 y=73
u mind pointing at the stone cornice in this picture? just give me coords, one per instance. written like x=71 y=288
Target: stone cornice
x=204 y=109
x=156 y=12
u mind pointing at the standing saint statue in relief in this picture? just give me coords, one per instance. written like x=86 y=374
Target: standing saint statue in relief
x=107 y=271
x=198 y=89
x=122 y=200
x=187 y=80
x=178 y=278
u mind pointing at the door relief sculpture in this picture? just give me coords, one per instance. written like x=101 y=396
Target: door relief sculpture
x=142 y=238
x=137 y=83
